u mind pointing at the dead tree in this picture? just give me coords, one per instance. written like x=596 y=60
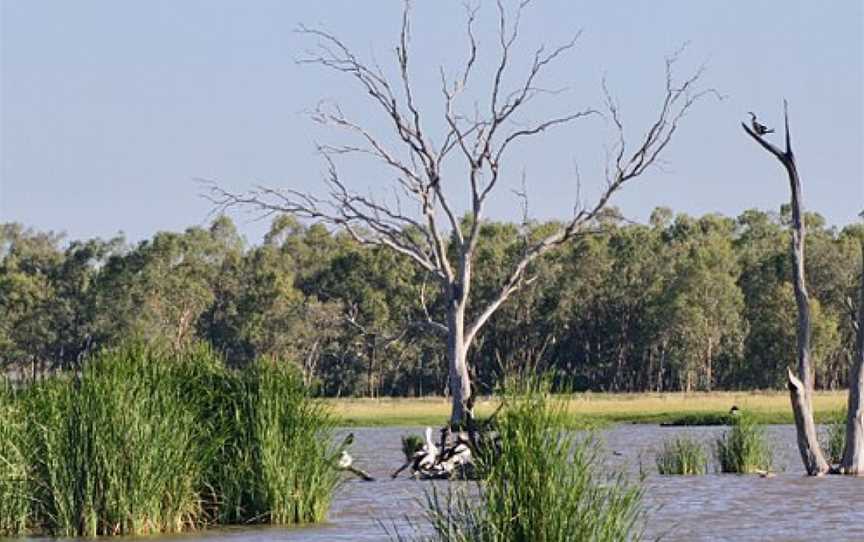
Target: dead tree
x=420 y=221
x=800 y=387
x=853 y=453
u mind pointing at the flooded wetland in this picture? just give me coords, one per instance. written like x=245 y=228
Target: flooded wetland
x=788 y=506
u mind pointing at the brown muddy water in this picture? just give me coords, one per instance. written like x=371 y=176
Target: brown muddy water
x=789 y=506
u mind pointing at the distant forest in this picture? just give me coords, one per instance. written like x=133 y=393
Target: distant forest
x=682 y=303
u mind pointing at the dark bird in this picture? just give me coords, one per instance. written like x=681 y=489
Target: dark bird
x=758 y=127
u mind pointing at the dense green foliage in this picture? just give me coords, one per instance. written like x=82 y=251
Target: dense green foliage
x=146 y=441
x=543 y=483
x=744 y=448
x=682 y=303
x=682 y=455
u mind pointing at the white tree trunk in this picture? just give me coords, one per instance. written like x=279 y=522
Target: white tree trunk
x=853 y=453
x=459 y=380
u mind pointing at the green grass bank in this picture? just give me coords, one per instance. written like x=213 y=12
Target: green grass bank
x=597 y=409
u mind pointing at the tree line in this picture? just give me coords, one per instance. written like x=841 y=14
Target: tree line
x=682 y=303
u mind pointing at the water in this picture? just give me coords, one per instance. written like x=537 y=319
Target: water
x=787 y=507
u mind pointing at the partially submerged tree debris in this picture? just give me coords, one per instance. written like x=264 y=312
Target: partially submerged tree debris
x=456 y=454
x=450 y=459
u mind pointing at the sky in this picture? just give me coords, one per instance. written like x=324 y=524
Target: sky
x=110 y=111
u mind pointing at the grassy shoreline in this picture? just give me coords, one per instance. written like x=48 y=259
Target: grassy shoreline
x=592 y=409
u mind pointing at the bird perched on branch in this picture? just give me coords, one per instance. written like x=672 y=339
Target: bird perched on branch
x=758 y=127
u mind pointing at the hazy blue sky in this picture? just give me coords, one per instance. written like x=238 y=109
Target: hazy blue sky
x=111 y=109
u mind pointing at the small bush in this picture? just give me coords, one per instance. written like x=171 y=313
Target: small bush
x=545 y=483
x=682 y=455
x=411 y=444
x=743 y=448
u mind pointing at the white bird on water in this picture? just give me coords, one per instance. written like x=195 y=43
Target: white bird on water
x=345 y=460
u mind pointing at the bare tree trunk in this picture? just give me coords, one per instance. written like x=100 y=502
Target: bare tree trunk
x=459 y=379
x=800 y=387
x=853 y=453
x=370 y=358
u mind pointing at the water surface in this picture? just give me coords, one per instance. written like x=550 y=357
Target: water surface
x=789 y=506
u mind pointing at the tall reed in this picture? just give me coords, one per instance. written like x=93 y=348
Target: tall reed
x=544 y=483
x=14 y=492
x=744 y=447
x=682 y=455
x=276 y=464
x=146 y=440
x=115 y=450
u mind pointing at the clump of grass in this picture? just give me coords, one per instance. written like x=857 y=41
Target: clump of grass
x=14 y=492
x=294 y=474
x=270 y=456
x=145 y=440
x=543 y=483
x=835 y=435
x=682 y=455
x=411 y=444
x=114 y=451
x=744 y=448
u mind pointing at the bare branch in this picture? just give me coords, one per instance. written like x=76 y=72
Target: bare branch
x=678 y=100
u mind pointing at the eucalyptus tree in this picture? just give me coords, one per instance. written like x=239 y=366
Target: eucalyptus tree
x=160 y=288
x=469 y=154
x=28 y=264
x=704 y=303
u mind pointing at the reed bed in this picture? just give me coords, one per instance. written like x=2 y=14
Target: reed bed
x=682 y=456
x=146 y=441
x=544 y=483
x=14 y=503
x=744 y=448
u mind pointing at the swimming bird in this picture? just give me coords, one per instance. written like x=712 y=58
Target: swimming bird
x=758 y=127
